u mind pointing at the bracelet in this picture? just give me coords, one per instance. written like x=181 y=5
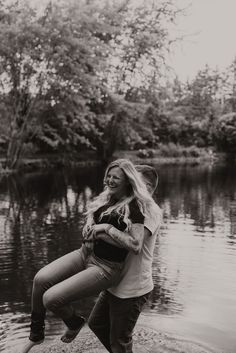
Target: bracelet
x=108 y=229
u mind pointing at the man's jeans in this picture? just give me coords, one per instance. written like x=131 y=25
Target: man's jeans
x=113 y=319
x=71 y=277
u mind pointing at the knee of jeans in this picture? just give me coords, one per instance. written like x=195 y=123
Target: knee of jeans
x=49 y=301
x=40 y=279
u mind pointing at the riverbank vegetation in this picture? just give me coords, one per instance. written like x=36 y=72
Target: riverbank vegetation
x=81 y=77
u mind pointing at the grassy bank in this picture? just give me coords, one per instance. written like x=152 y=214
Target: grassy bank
x=171 y=154
x=165 y=154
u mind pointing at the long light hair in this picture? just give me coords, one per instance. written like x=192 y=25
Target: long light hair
x=137 y=190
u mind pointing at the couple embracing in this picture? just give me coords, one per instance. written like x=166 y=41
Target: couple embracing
x=115 y=261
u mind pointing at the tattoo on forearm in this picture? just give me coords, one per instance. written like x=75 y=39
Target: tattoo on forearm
x=126 y=240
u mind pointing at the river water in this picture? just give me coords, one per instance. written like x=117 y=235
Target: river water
x=194 y=264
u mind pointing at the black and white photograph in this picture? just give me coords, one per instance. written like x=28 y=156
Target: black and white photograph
x=117 y=176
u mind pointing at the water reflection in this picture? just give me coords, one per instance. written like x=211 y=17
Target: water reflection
x=232 y=216
x=40 y=220
x=41 y=217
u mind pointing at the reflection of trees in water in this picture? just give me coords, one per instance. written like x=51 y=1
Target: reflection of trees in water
x=48 y=198
x=44 y=197
x=232 y=215
x=43 y=222
x=164 y=301
x=200 y=193
x=45 y=215
x=163 y=297
x=198 y=199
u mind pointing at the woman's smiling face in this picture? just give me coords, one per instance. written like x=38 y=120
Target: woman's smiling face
x=116 y=182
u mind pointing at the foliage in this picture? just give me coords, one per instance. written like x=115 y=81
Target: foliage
x=225 y=132
x=86 y=75
x=191 y=111
x=60 y=63
x=140 y=48
x=48 y=72
x=202 y=92
x=172 y=150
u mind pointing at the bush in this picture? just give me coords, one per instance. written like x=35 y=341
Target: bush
x=145 y=153
x=170 y=150
x=193 y=151
x=175 y=150
x=225 y=133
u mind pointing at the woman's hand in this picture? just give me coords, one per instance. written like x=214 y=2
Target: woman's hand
x=99 y=228
x=88 y=239
x=91 y=232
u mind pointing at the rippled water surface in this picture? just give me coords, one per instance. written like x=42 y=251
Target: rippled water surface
x=195 y=256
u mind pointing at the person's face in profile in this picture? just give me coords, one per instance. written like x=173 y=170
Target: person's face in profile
x=148 y=185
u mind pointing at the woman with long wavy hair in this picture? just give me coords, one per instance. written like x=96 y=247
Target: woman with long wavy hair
x=97 y=265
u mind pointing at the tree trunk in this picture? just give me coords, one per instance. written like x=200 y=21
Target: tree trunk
x=15 y=148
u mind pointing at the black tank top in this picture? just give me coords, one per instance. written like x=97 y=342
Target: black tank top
x=107 y=251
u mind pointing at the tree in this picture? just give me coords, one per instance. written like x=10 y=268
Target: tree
x=202 y=92
x=49 y=63
x=60 y=65
x=230 y=88
x=225 y=132
x=140 y=46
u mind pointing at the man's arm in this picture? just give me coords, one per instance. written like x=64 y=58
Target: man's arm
x=132 y=240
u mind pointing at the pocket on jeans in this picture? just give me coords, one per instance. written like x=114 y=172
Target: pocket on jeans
x=108 y=266
x=111 y=275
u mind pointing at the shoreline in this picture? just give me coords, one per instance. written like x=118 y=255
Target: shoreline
x=206 y=157
x=31 y=164
x=147 y=339
x=47 y=162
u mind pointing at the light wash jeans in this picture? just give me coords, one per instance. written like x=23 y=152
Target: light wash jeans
x=72 y=277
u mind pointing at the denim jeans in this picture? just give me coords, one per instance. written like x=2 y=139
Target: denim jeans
x=113 y=320
x=71 y=277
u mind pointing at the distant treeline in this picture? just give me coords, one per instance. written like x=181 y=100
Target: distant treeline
x=85 y=75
